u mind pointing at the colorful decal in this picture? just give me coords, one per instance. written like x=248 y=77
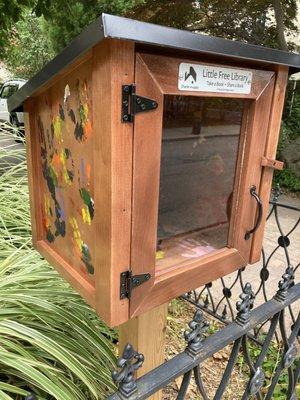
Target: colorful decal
x=71 y=114
x=67 y=178
x=51 y=179
x=83 y=128
x=47 y=217
x=57 y=128
x=62 y=166
x=81 y=248
x=87 y=211
x=67 y=93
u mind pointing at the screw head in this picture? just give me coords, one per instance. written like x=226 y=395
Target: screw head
x=126 y=89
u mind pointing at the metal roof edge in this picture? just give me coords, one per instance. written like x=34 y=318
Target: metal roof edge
x=152 y=34
x=110 y=26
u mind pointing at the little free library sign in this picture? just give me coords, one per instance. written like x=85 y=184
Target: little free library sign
x=206 y=78
x=150 y=159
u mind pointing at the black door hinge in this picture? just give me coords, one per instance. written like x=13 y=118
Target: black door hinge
x=133 y=103
x=128 y=282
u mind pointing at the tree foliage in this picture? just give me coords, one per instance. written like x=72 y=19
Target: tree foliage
x=57 y=22
x=67 y=19
x=28 y=48
x=251 y=21
x=10 y=12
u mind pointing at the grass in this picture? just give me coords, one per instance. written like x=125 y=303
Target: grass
x=51 y=342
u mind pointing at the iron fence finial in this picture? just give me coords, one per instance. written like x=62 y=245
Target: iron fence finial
x=245 y=304
x=285 y=283
x=129 y=363
x=195 y=335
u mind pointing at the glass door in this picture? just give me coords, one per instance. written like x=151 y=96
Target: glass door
x=200 y=141
x=195 y=159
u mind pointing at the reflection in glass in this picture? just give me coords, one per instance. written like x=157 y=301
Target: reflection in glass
x=199 y=153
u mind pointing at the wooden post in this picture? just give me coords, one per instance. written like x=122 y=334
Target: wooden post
x=147 y=333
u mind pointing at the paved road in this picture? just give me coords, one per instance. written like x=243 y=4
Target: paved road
x=9 y=151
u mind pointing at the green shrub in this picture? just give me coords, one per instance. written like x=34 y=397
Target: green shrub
x=288 y=179
x=289 y=131
x=292 y=116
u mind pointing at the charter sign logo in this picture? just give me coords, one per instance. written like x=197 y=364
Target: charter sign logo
x=207 y=78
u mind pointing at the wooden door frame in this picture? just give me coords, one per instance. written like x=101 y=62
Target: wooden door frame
x=165 y=284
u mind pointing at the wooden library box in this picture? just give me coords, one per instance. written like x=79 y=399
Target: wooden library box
x=150 y=159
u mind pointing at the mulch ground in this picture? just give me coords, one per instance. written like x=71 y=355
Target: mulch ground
x=180 y=313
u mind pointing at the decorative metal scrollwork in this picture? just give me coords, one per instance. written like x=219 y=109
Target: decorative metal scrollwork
x=129 y=363
x=244 y=305
x=194 y=337
x=286 y=282
x=273 y=321
x=290 y=356
x=257 y=381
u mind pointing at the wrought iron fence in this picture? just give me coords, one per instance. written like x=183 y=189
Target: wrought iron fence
x=276 y=318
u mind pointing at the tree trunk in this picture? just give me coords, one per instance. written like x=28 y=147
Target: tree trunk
x=280 y=24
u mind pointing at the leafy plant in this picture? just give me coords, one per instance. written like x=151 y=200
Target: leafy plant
x=51 y=342
x=287 y=178
x=269 y=366
x=29 y=47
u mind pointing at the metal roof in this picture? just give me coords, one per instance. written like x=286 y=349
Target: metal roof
x=109 y=26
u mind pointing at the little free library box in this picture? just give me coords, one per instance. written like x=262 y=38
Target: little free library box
x=150 y=158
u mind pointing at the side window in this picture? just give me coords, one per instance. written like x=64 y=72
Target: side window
x=13 y=89
x=5 y=92
x=8 y=90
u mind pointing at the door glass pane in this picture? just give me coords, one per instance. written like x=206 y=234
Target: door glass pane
x=199 y=153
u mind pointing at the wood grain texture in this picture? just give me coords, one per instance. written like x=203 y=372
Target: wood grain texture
x=270 y=152
x=271 y=163
x=117 y=230
x=51 y=145
x=168 y=82
x=147 y=334
x=113 y=66
x=81 y=285
x=64 y=72
x=253 y=151
x=239 y=176
x=65 y=195
x=146 y=170
x=171 y=283
x=33 y=163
